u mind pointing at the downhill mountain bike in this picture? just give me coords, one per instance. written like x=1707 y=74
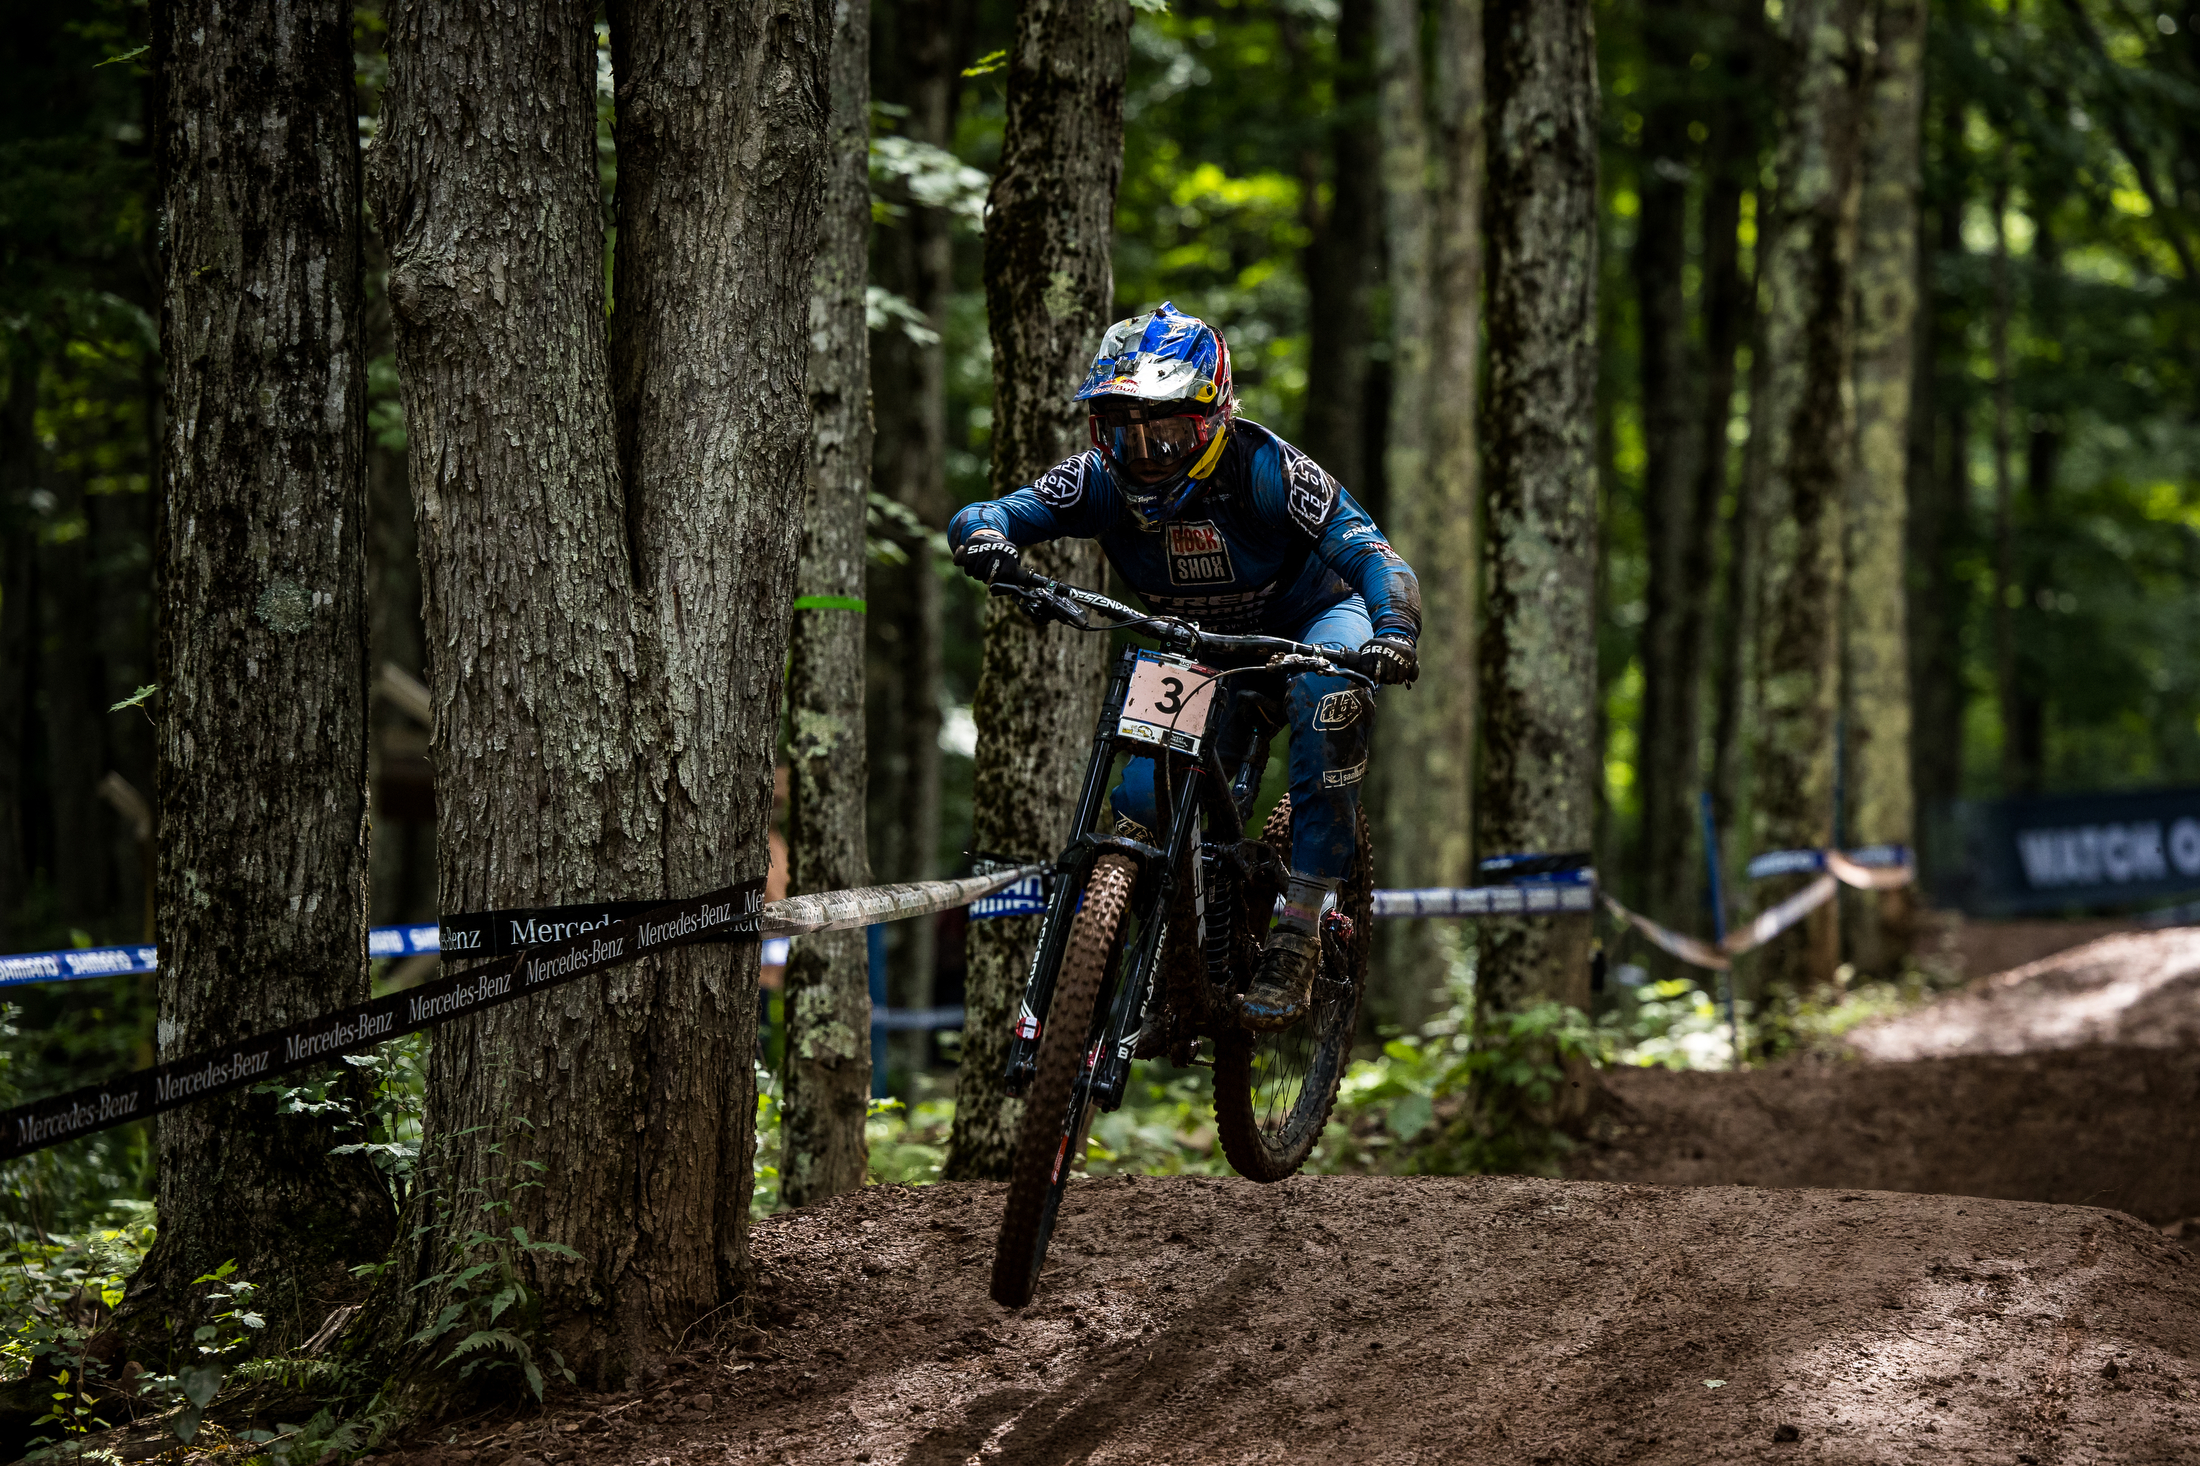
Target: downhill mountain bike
x=1148 y=941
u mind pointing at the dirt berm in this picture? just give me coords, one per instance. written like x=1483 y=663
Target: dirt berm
x=1349 y=1319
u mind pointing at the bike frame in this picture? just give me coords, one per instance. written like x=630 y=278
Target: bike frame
x=1199 y=785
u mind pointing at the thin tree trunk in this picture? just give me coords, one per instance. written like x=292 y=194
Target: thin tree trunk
x=828 y=1074
x=262 y=646
x=1049 y=286
x=1939 y=515
x=1809 y=416
x=73 y=679
x=916 y=253
x=2006 y=589
x=606 y=685
x=1432 y=177
x=1729 y=315
x=2042 y=457
x=1538 y=663
x=1876 y=681
x=1340 y=258
x=19 y=458
x=1671 y=374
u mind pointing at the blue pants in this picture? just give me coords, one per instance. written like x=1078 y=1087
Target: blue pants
x=1329 y=720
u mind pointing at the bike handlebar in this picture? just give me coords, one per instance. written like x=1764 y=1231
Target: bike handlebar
x=1053 y=600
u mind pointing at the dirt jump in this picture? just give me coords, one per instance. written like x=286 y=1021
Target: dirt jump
x=1722 y=1314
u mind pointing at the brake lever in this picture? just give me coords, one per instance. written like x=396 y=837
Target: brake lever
x=1042 y=605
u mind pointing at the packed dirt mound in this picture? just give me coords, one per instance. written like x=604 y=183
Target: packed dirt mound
x=2139 y=989
x=1350 y=1319
x=2101 y=1127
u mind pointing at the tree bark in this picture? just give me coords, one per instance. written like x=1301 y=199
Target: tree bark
x=1049 y=286
x=608 y=539
x=260 y=597
x=1810 y=419
x=1876 y=681
x=1432 y=185
x=1538 y=663
x=828 y=993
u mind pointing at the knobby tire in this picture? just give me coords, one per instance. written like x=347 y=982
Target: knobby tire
x=1055 y=1111
x=1274 y=1091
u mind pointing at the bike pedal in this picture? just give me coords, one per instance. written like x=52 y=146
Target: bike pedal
x=1338 y=925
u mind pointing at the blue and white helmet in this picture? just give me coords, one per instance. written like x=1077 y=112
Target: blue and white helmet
x=1159 y=393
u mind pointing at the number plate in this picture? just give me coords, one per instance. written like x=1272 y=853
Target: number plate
x=1168 y=702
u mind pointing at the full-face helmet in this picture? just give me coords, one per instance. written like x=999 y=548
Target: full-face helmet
x=1159 y=394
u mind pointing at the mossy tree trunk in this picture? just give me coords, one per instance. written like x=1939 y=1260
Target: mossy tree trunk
x=828 y=1065
x=1049 y=287
x=1876 y=680
x=608 y=536
x=1432 y=192
x=260 y=595
x=1538 y=664
x=1808 y=417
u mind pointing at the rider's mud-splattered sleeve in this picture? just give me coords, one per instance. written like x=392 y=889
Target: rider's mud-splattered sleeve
x=1299 y=497
x=1072 y=500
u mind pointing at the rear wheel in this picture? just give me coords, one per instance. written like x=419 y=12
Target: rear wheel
x=1058 y=1106
x=1274 y=1091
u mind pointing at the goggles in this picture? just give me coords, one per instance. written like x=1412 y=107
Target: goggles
x=1150 y=450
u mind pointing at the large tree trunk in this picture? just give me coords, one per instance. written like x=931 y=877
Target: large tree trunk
x=1876 y=682
x=828 y=1066
x=261 y=784
x=1538 y=665
x=1049 y=286
x=1432 y=186
x=606 y=683
x=1809 y=416
x=1674 y=524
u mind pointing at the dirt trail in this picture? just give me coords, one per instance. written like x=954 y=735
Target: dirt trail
x=2074 y=1078
x=1357 y=1319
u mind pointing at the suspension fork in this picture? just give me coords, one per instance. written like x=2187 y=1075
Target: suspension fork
x=1072 y=868
x=1134 y=995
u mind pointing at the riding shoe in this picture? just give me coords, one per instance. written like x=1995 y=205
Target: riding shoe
x=1284 y=989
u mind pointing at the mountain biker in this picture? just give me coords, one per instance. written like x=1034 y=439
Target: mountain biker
x=1213 y=517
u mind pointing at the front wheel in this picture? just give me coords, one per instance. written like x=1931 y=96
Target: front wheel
x=1274 y=1091
x=1058 y=1105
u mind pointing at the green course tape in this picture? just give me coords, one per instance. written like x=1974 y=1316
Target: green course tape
x=831 y=603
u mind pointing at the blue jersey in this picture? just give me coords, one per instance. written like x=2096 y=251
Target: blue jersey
x=1270 y=543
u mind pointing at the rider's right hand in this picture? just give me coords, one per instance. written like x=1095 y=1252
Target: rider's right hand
x=988 y=556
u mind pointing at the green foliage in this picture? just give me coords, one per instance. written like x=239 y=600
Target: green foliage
x=489 y=1313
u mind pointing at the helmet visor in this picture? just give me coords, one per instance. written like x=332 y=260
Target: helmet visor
x=1154 y=449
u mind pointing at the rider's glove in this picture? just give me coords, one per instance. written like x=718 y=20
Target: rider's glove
x=987 y=555
x=1394 y=658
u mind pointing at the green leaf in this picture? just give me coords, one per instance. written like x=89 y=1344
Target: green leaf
x=114 y=61
x=987 y=64
x=502 y=1301
x=534 y=1378
x=1151 y=7
x=200 y=1383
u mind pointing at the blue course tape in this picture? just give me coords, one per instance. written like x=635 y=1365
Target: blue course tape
x=88 y=962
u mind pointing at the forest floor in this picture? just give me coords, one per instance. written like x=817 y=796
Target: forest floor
x=1487 y=1319
x=1721 y=1313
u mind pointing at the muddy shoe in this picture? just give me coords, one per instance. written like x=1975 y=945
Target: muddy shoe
x=1284 y=989
x=1280 y=995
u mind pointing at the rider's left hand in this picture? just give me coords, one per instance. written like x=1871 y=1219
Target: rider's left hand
x=1394 y=659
